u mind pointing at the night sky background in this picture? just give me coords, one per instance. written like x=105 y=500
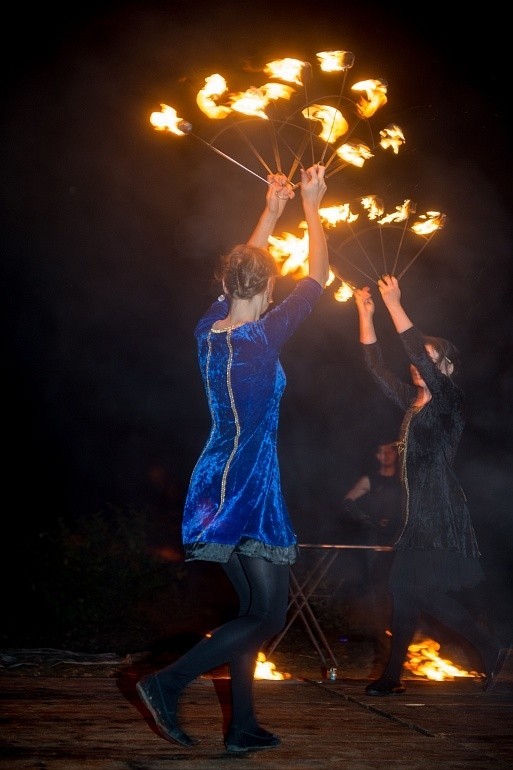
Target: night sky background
x=111 y=232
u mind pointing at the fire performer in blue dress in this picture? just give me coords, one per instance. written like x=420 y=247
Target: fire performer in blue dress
x=436 y=552
x=234 y=511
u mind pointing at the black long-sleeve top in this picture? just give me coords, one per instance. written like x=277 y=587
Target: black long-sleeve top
x=436 y=514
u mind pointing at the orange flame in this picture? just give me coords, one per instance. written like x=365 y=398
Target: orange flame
x=291 y=252
x=215 y=86
x=335 y=61
x=334 y=125
x=265 y=669
x=373 y=205
x=167 y=120
x=431 y=221
x=355 y=153
x=425 y=661
x=332 y=215
x=344 y=292
x=392 y=136
x=400 y=214
x=254 y=100
x=286 y=69
x=375 y=97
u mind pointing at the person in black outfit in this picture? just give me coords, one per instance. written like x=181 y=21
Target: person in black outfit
x=373 y=508
x=374 y=502
x=436 y=552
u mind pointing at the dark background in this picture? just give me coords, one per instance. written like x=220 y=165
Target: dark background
x=111 y=232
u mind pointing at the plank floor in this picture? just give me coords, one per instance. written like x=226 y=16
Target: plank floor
x=97 y=723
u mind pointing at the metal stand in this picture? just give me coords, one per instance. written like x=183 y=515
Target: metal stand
x=299 y=604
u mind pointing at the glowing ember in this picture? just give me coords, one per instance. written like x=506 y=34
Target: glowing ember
x=424 y=661
x=266 y=670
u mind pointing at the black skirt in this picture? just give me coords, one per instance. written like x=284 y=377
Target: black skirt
x=434 y=569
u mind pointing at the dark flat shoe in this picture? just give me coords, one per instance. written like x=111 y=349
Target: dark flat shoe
x=490 y=679
x=238 y=741
x=152 y=696
x=385 y=687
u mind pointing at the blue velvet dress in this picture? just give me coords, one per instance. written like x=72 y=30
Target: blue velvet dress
x=234 y=500
x=437 y=546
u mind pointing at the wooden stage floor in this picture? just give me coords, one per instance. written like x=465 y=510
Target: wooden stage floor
x=95 y=722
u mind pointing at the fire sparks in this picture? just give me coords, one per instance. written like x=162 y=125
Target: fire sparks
x=424 y=661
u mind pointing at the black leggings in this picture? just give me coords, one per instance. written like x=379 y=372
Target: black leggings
x=407 y=608
x=262 y=589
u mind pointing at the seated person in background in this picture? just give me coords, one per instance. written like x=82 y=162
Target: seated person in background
x=374 y=503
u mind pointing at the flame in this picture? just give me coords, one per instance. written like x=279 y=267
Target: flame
x=264 y=669
x=373 y=205
x=215 y=86
x=355 y=153
x=286 y=69
x=277 y=91
x=425 y=661
x=334 y=125
x=344 y=292
x=167 y=120
x=375 y=97
x=250 y=102
x=392 y=136
x=291 y=252
x=332 y=215
x=431 y=221
x=400 y=214
x=335 y=61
